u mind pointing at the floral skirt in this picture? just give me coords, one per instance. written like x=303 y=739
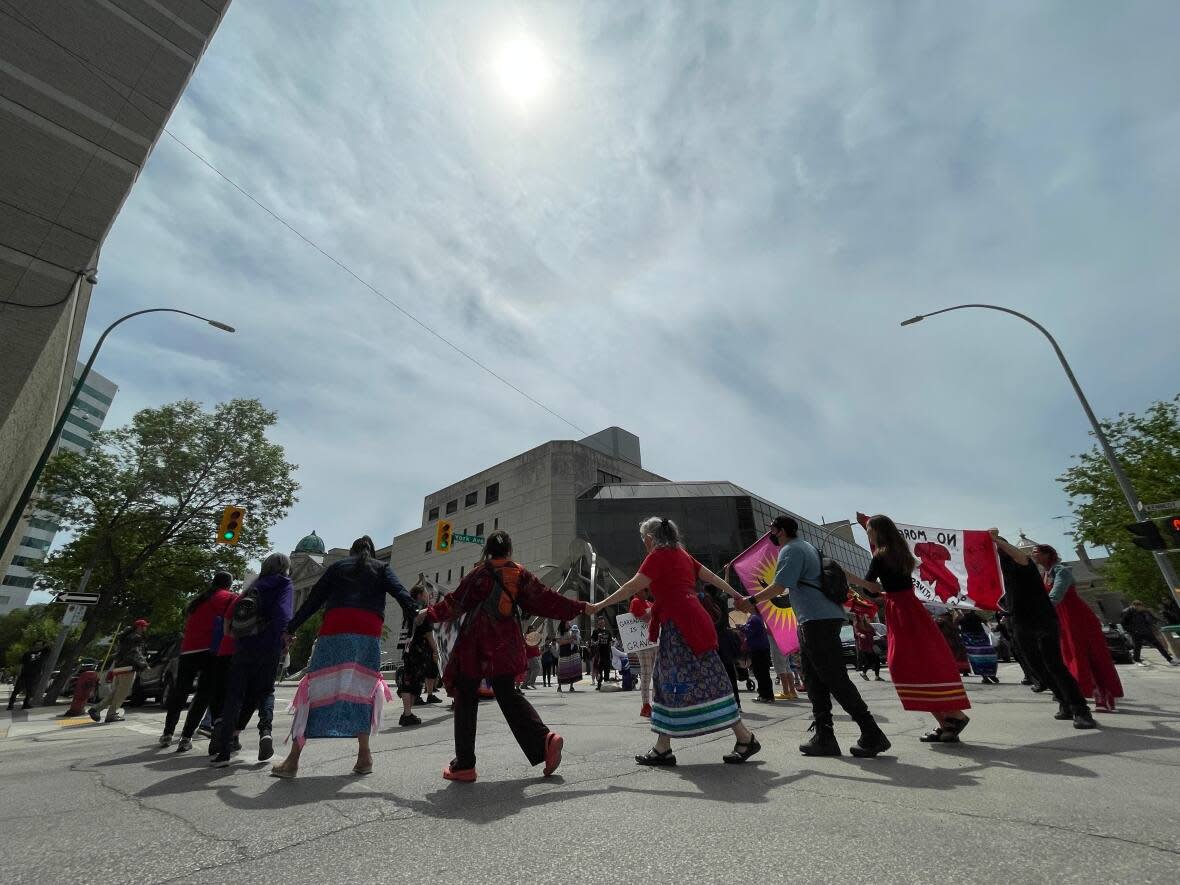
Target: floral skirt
x=343 y=692
x=691 y=695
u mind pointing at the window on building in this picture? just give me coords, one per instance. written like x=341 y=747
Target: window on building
x=448 y=576
x=492 y=494
x=606 y=479
x=495 y=523
x=452 y=506
x=45 y=525
x=479 y=530
x=34 y=543
x=94 y=394
x=76 y=440
x=461 y=572
x=14 y=581
x=471 y=500
x=432 y=515
x=25 y=561
x=436 y=577
x=429 y=544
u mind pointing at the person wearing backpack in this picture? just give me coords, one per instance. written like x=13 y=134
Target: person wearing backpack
x=257 y=623
x=803 y=573
x=493 y=597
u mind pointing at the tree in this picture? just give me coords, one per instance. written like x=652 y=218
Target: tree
x=1148 y=446
x=21 y=629
x=144 y=503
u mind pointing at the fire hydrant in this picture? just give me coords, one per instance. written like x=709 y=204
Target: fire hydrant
x=84 y=687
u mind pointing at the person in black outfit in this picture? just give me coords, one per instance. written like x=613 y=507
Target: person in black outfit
x=728 y=641
x=26 y=680
x=1140 y=623
x=1036 y=631
x=600 y=642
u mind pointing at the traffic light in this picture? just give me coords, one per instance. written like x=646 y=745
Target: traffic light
x=1147 y=535
x=442 y=536
x=1172 y=524
x=230 y=530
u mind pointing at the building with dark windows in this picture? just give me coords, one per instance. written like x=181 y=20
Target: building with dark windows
x=717 y=519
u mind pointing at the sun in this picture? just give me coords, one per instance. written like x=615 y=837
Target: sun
x=522 y=70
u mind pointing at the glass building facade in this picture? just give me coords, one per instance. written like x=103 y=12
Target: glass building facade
x=717 y=519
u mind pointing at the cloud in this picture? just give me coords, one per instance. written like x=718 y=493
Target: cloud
x=706 y=231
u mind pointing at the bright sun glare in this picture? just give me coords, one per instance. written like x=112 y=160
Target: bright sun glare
x=522 y=70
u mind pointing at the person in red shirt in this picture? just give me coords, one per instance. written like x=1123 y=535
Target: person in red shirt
x=692 y=693
x=490 y=646
x=641 y=608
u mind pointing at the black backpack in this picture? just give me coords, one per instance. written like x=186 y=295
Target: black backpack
x=833 y=583
x=247 y=618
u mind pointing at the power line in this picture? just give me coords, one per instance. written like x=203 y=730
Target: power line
x=340 y=264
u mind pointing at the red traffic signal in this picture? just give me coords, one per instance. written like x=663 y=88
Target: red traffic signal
x=1173 y=525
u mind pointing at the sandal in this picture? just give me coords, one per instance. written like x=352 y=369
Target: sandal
x=284 y=773
x=740 y=755
x=952 y=728
x=363 y=769
x=937 y=736
x=655 y=757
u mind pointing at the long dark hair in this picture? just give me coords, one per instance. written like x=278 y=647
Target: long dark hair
x=364 y=551
x=221 y=581
x=891 y=546
x=497 y=546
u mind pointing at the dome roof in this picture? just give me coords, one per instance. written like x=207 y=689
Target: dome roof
x=311 y=544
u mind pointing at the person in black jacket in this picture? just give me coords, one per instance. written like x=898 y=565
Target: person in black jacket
x=130 y=658
x=1142 y=626
x=26 y=679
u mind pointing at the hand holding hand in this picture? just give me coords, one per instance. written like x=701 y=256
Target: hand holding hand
x=591 y=608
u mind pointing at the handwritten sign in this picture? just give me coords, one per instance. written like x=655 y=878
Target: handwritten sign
x=633 y=633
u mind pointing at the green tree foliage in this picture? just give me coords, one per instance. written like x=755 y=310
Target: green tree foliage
x=145 y=501
x=1148 y=446
x=21 y=629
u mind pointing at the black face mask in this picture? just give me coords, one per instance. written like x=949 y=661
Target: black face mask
x=775 y=538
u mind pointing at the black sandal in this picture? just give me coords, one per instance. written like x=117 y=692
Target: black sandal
x=655 y=757
x=937 y=736
x=952 y=728
x=739 y=755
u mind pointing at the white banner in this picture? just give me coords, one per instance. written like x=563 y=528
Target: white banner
x=633 y=633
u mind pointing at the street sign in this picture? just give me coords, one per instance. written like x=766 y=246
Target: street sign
x=73 y=616
x=78 y=598
x=469 y=539
x=1156 y=508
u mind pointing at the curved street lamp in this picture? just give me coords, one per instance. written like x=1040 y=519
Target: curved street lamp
x=18 y=509
x=1120 y=476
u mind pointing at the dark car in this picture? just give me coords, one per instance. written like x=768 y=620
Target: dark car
x=1119 y=644
x=848 y=643
x=157 y=680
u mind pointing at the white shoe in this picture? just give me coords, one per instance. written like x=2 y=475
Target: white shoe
x=1174 y=663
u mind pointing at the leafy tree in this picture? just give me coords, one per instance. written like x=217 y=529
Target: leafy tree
x=144 y=503
x=1148 y=446
x=21 y=629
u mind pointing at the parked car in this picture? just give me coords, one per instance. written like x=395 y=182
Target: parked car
x=158 y=679
x=1121 y=648
x=848 y=643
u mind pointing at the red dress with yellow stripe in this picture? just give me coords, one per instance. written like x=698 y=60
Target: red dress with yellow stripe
x=921 y=666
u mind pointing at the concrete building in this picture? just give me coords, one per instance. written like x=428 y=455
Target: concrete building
x=35 y=535
x=85 y=90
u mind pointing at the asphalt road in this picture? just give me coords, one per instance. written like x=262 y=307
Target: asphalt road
x=1024 y=799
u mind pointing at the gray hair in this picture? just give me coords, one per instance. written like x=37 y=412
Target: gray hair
x=276 y=564
x=662 y=531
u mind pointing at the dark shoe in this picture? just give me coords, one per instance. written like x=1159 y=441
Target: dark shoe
x=1038 y=688
x=938 y=736
x=418 y=701
x=742 y=752
x=952 y=728
x=872 y=742
x=221 y=760
x=822 y=743
x=762 y=700
x=1063 y=713
x=26 y=706
x=655 y=758
x=184 y=745
x=266 y=747
x=408 y=719
x=864 y=675
x=92 y=713
x=165 y=739
x=1084 y=720
x=433 y=699
x=236 y=746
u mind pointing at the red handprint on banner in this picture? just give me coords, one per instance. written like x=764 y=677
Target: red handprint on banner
x=932 y=559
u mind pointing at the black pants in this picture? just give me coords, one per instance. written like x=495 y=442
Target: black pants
x=548 y=669
x=209 y=695
x=23 y=686
x=1018 y=656
x=760 y=665
x=825 y=675
x=250 y=684
x=1151 y=640
x=528 y=729
x=188 y=670
x=1040 y=644
x=604 y=661
x=868 y=660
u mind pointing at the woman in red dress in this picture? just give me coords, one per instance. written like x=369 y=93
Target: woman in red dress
x=1083 y=645
x=921 y=665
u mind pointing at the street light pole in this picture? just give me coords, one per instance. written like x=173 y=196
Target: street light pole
x=1120 y=475
x=27 y=494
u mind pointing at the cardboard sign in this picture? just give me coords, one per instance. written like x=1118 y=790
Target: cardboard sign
x=633 y=633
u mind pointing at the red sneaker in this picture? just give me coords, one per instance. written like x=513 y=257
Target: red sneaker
x=553 y=744
x=646 y=711
x=463 y=775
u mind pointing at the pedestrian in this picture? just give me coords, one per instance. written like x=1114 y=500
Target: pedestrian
x=224 y=645
x=421 y=658
x=693 y=695
x=866 y=648
x=981 y=654
x=758 y=644
x=1032 y=623
x=924 y=673
x=1004 y=629
x=729 y=640
x=820 y=619
x=569 y=656
x=548 y=662
x=493 y=596
x=258 y=625
x=600 y=643
x=640 y=608
x=1143 y=628
x=31 y=663
x=129 y=659
x=196 y=658
x=950 y=635
x=532 y=651
x=343 y=691
x=1083 y=644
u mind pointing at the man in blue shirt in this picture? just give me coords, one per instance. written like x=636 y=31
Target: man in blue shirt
x=799 y=573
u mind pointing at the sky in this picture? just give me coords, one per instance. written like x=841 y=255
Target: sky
x=700 y=222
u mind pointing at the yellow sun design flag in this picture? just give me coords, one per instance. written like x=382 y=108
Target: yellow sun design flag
x=755 y=567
